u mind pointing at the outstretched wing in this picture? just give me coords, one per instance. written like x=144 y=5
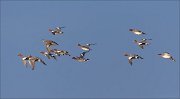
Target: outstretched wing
x=32 y=63
x=24 y=62
x=82 y=54
x=48 y=48
x=54 y=57
x=141 y=46
x=55 y=43
x=40 y=60
x=130 y=61
x=48 y=57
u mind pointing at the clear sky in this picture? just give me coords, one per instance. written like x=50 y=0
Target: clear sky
x=108 y=73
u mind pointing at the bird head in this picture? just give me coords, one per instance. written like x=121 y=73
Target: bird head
x=130 y=29
x=42 y=52
x=126 y=54
x=20 y=55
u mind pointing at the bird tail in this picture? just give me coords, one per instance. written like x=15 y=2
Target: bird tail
x=172 y=59
x=143 y=33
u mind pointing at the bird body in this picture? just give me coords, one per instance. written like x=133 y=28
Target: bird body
x=85 y=47
x=33 y=60
x=81 y=57
x=136 y=31
x=60 y=52
x=49 y=43
x=57 y=30
x=167 y=56
x=131 y=57
x=48 y=55
x=142 y=43
x=24 y=59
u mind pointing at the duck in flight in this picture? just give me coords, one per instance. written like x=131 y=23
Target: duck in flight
x=60 y=52
x=57 y=30
x=136 y=31
x=131 y=57
x=85 y=47
x=142 y=43
x=81 y=57
x=33 y=60
x=48 y=55
x=167 y=56
x=24 y=59
x=49 y=43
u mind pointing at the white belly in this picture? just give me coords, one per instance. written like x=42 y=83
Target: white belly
x=86 y=49
x=166 y=56
x=138 y=33
x=129 y=58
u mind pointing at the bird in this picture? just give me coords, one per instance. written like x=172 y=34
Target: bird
x=48 y=55
x=167 y=56
x=136 y=31
x=33 y=60
x=57 y=30
x=85 y=47
x=24 y=59
x=81 y=58
x=49 y=43
x=60 y=52
x=142 y=43
x=131 y=57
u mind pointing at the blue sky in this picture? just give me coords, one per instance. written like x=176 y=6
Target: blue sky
x=25 y=23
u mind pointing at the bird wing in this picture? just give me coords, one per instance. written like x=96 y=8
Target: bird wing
x=141 y=46
x=53 y=56
x=55 y=43
x=40 y=60
x=82 y=54
x=144 y=41
x=130 y=61
x=140 y=57
x=48 y=57
x=48 y=48
x=32 y=63
x=24 y=62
